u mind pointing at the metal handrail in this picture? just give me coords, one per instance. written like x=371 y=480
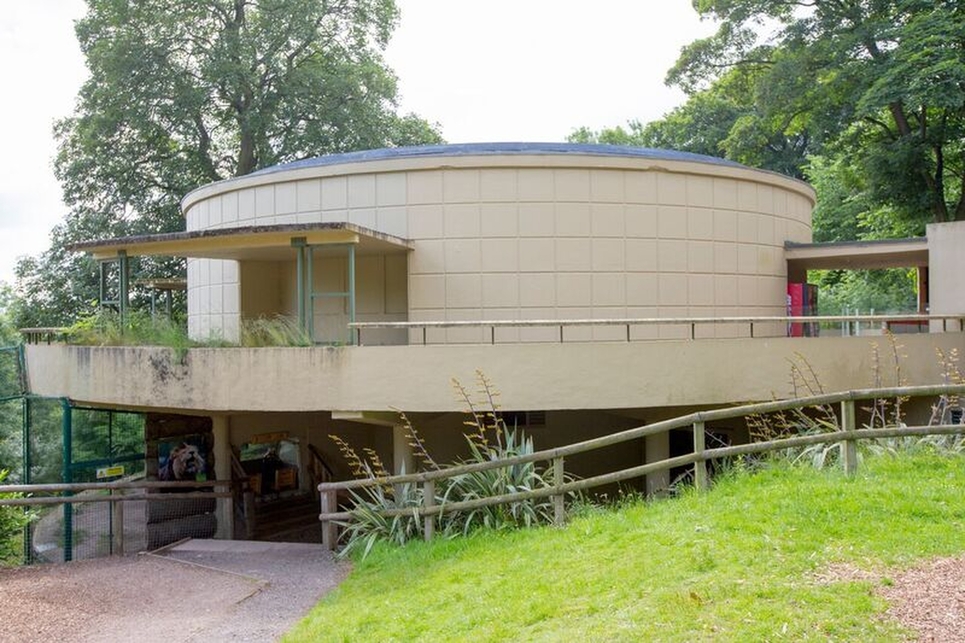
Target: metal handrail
x=629 y=323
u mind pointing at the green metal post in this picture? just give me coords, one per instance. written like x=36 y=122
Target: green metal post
x=310 y=291
x=123 y=285
x=25 y=478
x=67 y=478
x=103 y=282
x=351 y=293
x=299 y=244
x=22 y=367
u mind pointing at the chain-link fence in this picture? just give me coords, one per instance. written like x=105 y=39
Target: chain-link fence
x=89 y=520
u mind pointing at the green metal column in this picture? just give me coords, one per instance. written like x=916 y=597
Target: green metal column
x=123 y=283
x=310 y=292
x=353 y=333
x=299 y=244
x=25 y=477
x=67 y=478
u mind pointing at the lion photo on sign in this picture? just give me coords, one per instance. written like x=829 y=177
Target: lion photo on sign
x=182 y=460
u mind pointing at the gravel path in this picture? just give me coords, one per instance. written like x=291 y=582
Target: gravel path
x=198 y=591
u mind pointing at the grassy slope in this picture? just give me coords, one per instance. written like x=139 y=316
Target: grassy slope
x=733 y=564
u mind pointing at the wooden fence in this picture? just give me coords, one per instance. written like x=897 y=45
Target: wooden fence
x=117 y=494
x=847 y=432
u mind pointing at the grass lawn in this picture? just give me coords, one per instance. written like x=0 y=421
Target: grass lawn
x=736 y=564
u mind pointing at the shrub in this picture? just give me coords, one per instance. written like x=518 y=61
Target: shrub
x=488 y=439
x=12 y=522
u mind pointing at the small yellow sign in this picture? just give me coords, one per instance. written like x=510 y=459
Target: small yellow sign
x=110 y=472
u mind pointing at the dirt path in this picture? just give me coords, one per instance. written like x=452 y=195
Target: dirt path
x=198 y=591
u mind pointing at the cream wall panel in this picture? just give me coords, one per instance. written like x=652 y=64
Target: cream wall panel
x=574 y=289
x=364 y=217
x=361 y=191
x=285 y=198
x=608 y=255
x=537 y=255
x=536 y=220
x=308 y=195
x=392 y=220
x=396 y=285
x=572 y=220
x=572 y=185
x=425 y=222
x=497 y=185
x=390 y=189
x=607 y=186
x=672 y=222
x=700 y=192
x=607 y=220
x=499 y=220
x=536 y=185
x=460 y=186
x=499 y=255
x=672 y=188
x=461 y=220
x=641 y=255
x=641 y=221
x=424 y=187
x=335 y=193
x=537 y=289
x=573 y=255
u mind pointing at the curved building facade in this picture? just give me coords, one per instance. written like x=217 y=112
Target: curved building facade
x=502 y=232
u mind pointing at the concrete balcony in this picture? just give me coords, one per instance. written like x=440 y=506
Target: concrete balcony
x=547 y=376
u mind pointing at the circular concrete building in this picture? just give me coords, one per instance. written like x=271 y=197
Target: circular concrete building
x=496 y=232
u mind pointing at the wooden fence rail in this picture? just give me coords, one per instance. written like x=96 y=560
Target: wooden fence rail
x=847 y=433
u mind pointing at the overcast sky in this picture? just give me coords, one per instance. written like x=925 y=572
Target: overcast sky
x=493 y=70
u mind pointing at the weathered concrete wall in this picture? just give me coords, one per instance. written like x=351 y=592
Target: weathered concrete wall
x=946 y=267
x=610 y=375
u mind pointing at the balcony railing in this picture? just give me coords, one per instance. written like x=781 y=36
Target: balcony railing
x=847 y=325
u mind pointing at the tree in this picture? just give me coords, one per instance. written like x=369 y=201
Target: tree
x=723 y=120
x=186 y=92
x=887 y=77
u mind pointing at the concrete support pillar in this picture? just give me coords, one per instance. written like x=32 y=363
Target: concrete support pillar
x=657 y=448
x=402 y=455
x=220 y=429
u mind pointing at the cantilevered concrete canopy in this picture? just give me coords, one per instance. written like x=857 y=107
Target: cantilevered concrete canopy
x=261 y=243
x=857 y=255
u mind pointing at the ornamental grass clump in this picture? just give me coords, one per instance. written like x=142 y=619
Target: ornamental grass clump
x=390 y=512
x=879 y=413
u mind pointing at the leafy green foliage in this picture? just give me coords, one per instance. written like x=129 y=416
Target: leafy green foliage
x=886 y=76
x=488 y=439
x=182 y=94
x=742 y=562
x=12 y=522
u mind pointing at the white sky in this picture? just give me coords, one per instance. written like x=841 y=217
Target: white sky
x=493 y=70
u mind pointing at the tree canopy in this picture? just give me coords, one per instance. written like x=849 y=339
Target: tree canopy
x=880 y=81
x=185 y=92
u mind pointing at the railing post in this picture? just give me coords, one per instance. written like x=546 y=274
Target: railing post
x=329 y=504
x=559 y=508
x=700 y=466
x=117 y=509
x=428 y=501
x=849 y=448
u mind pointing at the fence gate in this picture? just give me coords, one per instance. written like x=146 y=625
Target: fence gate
x=60 y=442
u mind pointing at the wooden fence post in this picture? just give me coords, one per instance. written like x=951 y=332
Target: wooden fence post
x=329 y=534
x=559 y=507
x=117 y=508
x=429 y=500
x=700 y=466
x=849 y=449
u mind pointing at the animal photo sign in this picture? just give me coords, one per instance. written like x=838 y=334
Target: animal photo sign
x=183 y=458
